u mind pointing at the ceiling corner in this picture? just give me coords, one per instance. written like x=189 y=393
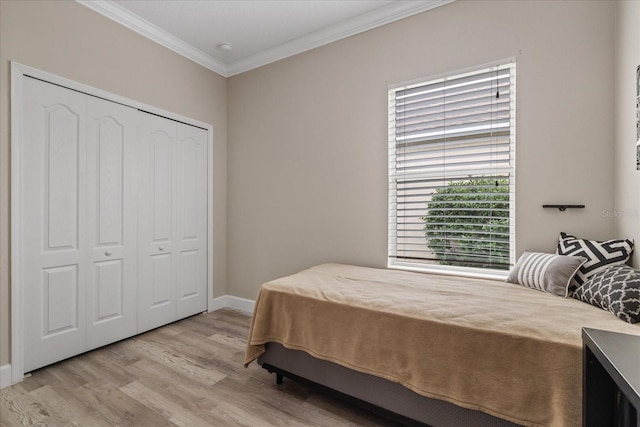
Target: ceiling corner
x=133 y=22
x=367 y=21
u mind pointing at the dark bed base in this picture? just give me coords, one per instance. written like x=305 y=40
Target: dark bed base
x=379 y=395
x=281 y=374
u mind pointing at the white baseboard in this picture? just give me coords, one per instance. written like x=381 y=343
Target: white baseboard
x=5 y=376
x=236 y=303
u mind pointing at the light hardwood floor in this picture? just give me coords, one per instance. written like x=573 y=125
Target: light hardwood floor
x=189 y=373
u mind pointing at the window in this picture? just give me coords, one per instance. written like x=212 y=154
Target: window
x=451 y=172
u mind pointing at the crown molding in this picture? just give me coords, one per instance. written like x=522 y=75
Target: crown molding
x=141 y=26
x=350 y=27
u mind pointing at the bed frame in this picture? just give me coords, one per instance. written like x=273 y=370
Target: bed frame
x=379 y=395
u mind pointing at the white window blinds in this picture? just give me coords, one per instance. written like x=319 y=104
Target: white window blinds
x=451 y=170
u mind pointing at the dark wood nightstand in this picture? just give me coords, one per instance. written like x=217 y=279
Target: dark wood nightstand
x=611 y=379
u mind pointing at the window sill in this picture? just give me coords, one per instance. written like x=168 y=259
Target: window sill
x=475 y=273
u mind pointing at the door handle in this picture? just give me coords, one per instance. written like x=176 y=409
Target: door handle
x=108 y=253
x=161 y=248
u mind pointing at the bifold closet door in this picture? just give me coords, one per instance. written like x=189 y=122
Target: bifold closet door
x=112 y=282
x=78 y=262
x=54 y=144
x=172 y=178
x=191 y=198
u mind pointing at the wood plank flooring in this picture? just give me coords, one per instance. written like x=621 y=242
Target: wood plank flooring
x=189 y=374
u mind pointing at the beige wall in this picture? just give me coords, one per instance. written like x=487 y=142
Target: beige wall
x=68 y=39
x=307 y=155
x=627 y=178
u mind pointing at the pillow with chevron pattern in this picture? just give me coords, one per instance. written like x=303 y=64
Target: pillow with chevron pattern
x=545 y=272
x=600 y=255
x=616 y=289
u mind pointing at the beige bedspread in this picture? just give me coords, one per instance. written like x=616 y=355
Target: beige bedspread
x=510 y=351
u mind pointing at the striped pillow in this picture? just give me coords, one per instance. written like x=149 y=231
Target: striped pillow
x=545 y=272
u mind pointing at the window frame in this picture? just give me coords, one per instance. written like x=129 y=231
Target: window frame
x=392 y=261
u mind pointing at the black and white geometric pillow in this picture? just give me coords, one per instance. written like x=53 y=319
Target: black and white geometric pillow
x=599 y=255
x=616 y=289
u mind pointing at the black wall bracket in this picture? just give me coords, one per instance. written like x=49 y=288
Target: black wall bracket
x=563 y=207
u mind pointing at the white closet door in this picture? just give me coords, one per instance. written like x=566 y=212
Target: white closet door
x=192 y=220
x=157 y=228
x=172 y=260
x=54 y=257
x=111 y=222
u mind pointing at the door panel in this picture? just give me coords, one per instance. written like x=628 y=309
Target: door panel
x=111 y=221
x=110 y=171
x=60 y=300
x=163 y=293
x=192 y=222
x=54 y=144
x=157 y=222
x=109 y=284
x=189 y=276
x=189 y=188
x=161 y=145
x=61 y=144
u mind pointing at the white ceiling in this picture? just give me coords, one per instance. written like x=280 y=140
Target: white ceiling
x=259 y=31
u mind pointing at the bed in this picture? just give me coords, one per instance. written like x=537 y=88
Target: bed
x=440 y=350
